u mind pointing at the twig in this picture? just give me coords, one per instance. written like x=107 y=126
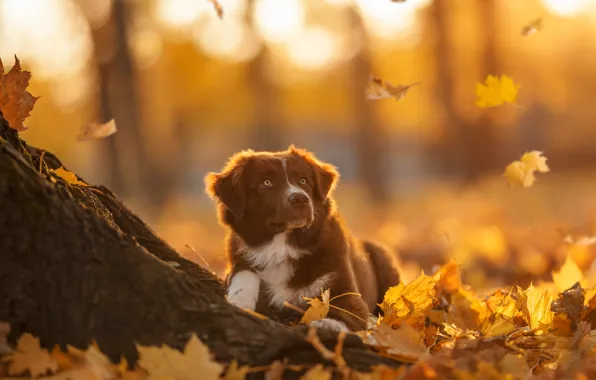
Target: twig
x=199 y=256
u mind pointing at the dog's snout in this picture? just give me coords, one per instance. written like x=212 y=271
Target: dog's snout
x=298 y=200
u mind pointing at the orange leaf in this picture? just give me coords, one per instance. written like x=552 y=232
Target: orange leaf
x=15 y=101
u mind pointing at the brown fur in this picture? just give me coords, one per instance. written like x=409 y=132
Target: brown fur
x=254 y=213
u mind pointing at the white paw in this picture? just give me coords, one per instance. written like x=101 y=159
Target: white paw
x=331 y=324
x=243 y=291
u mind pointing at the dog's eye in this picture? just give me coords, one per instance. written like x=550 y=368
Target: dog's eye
x=303 y=181
x=267 y=183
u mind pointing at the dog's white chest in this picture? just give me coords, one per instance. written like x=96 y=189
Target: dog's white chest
x=276 y=270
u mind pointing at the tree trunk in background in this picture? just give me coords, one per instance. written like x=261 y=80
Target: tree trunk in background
x=368 y=136
x=266 y=126
x=482 y=147
x=126 y=155
x=469 y=149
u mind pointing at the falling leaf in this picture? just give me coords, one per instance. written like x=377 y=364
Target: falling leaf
x=409 y=303
x=495 y=92
x=379 y=89
x=567 y=275
x=235 y=372
x=318 y=372
x=534 y=160
x=69 y=177
x=533 y=27
x=218 y=8
x=404 y=343
x=97 y=131
x=522 y=172
x=166 y=362
x=29 y=356
x=318 y=309
x=16 y=102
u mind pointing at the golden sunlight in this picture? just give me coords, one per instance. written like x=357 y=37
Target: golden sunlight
x=566 y=7
x=230 y=39
x=30 y=28
x=180 y=13
x=313 y=48
x=389 y=20
x=278 y=20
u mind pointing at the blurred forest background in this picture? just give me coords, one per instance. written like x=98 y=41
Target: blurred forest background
x=423 y=174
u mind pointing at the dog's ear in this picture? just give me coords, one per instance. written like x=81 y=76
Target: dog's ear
x=326 y=175
x=228 y=187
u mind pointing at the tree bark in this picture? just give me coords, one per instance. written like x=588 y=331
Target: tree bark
x=77 y=265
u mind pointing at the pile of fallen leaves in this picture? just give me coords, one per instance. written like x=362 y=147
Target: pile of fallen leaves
x=436 y=324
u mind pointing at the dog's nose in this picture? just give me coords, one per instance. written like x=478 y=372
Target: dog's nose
x=298 y=200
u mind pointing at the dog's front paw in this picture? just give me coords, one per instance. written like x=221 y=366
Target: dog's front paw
x=243 y=291
x=331 y=324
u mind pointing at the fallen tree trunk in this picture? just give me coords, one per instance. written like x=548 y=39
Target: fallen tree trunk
x=77 y=265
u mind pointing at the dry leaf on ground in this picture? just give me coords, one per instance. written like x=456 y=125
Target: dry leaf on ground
x=30 y=357
x=404 y=343
x=495 y=91
x=16 y=102
x=409 y=303
x=69 y=177
x=97 y=131
x=379 y=89
x=166 y=362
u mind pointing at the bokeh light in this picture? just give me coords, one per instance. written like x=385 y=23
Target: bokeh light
x=278 y=20
x=28 y=28
x=313 y=48
x=231 y=39
x=566 y=7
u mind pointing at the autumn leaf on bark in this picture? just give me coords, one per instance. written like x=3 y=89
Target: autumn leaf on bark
x=16 y=102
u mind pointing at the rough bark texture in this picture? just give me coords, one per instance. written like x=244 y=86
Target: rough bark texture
x=77 y=265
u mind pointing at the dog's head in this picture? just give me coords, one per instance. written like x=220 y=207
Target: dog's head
x=273 y=192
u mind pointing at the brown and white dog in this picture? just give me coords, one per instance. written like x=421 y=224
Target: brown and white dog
x=286 y=240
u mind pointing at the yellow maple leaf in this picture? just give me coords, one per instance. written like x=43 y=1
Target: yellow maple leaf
x=166 y=362
x=536 y=308
x=318 y=308
x=409 y=303
x=29 y=356
x=495 y=92
x=15 y=101
x=501 y=322
x=533 y=27
x=317 y=372
x=97 y=131
x=380 y=89
x=522 y=172
x=567 y=275
x=69 y=177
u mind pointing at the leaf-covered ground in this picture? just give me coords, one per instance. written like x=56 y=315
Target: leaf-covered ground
x=435 y=323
